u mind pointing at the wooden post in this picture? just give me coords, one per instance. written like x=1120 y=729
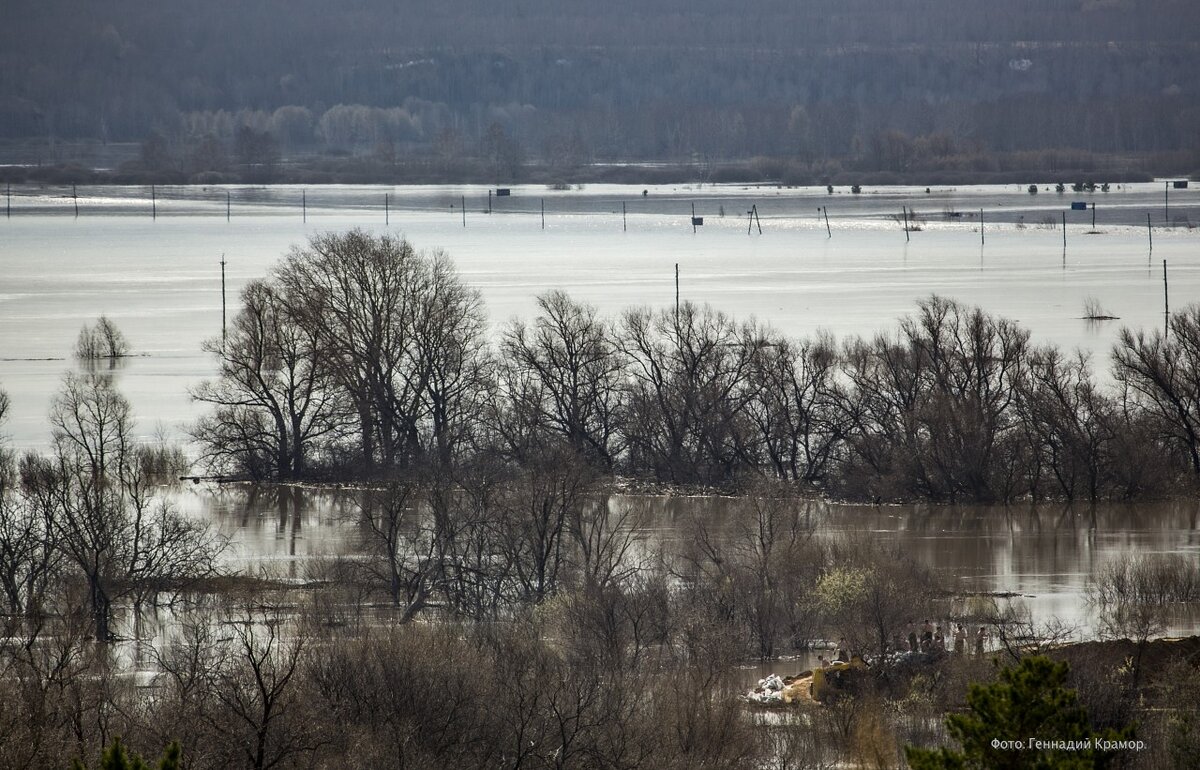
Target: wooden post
x=1093 y=216
x=693 y=231
x=386 y=213
x=75 y=198
x=223 y=299
x=464 y=210
x=543 y=213
x=828 y=229
x=154 y=203
x=1166 y=304
x=1064 y=217
x=304 y=204
x=677 y=292
x=1149 y=231
x=982 y=239
x=907 y=237
x=624 y=221
x=489 y=201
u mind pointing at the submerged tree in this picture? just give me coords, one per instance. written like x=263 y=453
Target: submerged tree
x=96 y=493
x=276 y=399
x=101 y=341
x=404 y=337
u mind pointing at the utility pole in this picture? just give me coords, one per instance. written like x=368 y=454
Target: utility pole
x=75 y=198
x=1064 y=218
x=154 y=203
x=543 y=213
x=386 y=214
x=693 y=231
x=464 y=210
x=982 y=240
x=676 y=292
x=907 y=237
x=223 y=334
x=304 y=204
x=228 y=205
x=753 y=216
x=828 y=229
x=624 y=221
x=1166 y=304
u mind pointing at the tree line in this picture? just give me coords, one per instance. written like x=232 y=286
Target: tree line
x=804 y=81
x=361 y=357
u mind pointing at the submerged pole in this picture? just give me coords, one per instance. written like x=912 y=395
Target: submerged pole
x=304 y=204
x=464 y=210
x=1149 y=231
x=693 y=230
x=75 y=198
x=228 y=205
x=828 y=229
x=543 y=213
x=624 y=221
x=154 y=203
x=907 y=238
x=982 y=240
x=386 y=213
x=1064 y=217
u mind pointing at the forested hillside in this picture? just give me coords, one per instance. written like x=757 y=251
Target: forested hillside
x=885 y=86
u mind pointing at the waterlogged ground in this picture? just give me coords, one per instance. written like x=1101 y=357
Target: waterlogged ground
x=159 y=278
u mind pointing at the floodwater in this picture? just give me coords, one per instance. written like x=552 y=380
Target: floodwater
x=1039 y=556
x=153 y=266
x=159 y=278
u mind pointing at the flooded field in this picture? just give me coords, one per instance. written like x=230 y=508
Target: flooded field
x=159 y=278
x=1038 y=556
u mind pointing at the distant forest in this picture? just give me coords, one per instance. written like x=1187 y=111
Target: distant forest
x=200 y=91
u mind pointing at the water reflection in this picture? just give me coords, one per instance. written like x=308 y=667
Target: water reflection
x=1043 y=554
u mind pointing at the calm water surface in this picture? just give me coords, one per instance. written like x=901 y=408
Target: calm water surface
x=160 y=280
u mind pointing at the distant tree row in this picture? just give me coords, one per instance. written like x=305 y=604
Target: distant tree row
x=361 y=357
x=612 y=82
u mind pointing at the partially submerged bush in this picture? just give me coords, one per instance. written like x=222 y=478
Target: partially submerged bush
x=101 y=341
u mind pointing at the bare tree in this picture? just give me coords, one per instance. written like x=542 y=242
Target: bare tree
x=96 y=494
x=793 y=408
x=562 y=374
x=405 y=340
x=263 y=716
x=1163 y=376
x=686 y=401
x=276 y=398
